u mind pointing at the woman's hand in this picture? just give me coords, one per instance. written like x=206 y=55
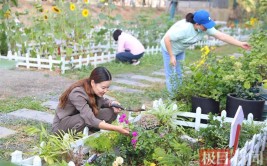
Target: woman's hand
x=106 y=126
x=116 y=110
x=172 y=61
x=245 y=46
x=123 y=130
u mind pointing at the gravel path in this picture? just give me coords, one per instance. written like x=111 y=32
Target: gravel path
x=43 y=85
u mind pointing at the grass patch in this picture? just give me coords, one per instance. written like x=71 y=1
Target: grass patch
x=12 y=143
x=7 y=64
x=148 y=65
x=227 y=50
x=14 y=104
x=136 y=100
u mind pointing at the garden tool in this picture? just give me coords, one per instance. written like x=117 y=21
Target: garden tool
x=125 y=109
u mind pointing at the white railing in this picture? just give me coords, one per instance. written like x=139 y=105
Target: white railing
x=198 y=117
x=252 y=150
x=66 y=64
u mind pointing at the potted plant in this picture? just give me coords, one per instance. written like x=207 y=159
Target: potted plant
x=249 y=99
x=204 y=87
x=249 y=70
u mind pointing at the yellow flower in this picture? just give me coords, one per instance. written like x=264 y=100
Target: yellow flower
x=45 y=17
x=201 y=63
x=152 y=164
x=85 y=12
x=86 y=1
x=7 y=14
x=253 y=21
x=205 y=50
x=56 y=9
x=72 y=7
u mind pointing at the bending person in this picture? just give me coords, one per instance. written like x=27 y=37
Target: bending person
x=183 y=34
x=82 y=104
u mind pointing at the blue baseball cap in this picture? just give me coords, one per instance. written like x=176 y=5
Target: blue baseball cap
x=202 y=17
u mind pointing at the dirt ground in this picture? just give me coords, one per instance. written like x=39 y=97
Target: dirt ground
x=43 y=85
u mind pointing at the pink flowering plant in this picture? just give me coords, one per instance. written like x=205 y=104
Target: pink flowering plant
x=145 y=145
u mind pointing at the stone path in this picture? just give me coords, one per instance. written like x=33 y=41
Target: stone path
x=125 y=83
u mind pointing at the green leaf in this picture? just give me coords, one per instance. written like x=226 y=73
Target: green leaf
x=247 y=85
x=69 y=51
x=5 y=8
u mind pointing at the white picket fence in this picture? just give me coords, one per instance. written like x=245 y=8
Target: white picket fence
x=80 y=57
x=252 y=150
x=65 y=64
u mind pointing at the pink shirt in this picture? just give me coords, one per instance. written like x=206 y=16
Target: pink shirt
x=129 y=42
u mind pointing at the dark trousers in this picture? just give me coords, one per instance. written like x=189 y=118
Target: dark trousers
x=128 y=56
x=77 y=124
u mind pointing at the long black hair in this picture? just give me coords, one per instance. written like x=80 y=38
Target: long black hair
x=99 y=74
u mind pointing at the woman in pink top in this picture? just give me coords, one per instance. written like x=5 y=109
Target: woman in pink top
x=130 y=49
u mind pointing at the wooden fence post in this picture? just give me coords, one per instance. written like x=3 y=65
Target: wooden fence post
x=9 y=55
x=63 y=64
x=50 y=62
x=27 y=60
x=95 y=59
x=250 y=118
x=16 y=56
x=87 y=59
x=223 y=115
x=198 y=118
x=80 y=62
x=38 y=61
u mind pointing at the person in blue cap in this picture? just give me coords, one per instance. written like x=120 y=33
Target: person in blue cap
x=183 y=34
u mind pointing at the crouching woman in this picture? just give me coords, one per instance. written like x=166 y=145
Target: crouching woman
x=82 y=104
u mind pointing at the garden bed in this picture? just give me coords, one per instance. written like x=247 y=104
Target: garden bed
x=150 y=142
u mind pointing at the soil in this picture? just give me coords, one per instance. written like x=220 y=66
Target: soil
x=43 y=85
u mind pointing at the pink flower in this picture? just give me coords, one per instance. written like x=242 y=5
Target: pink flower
x=133 y=142
x=122 y=118
x=135 y=134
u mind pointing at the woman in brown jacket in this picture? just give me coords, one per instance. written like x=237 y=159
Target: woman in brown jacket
x=82 y=104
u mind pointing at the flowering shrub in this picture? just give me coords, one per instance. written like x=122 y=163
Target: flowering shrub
x=205 y=79
x=158 y=144
x=214 y=76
